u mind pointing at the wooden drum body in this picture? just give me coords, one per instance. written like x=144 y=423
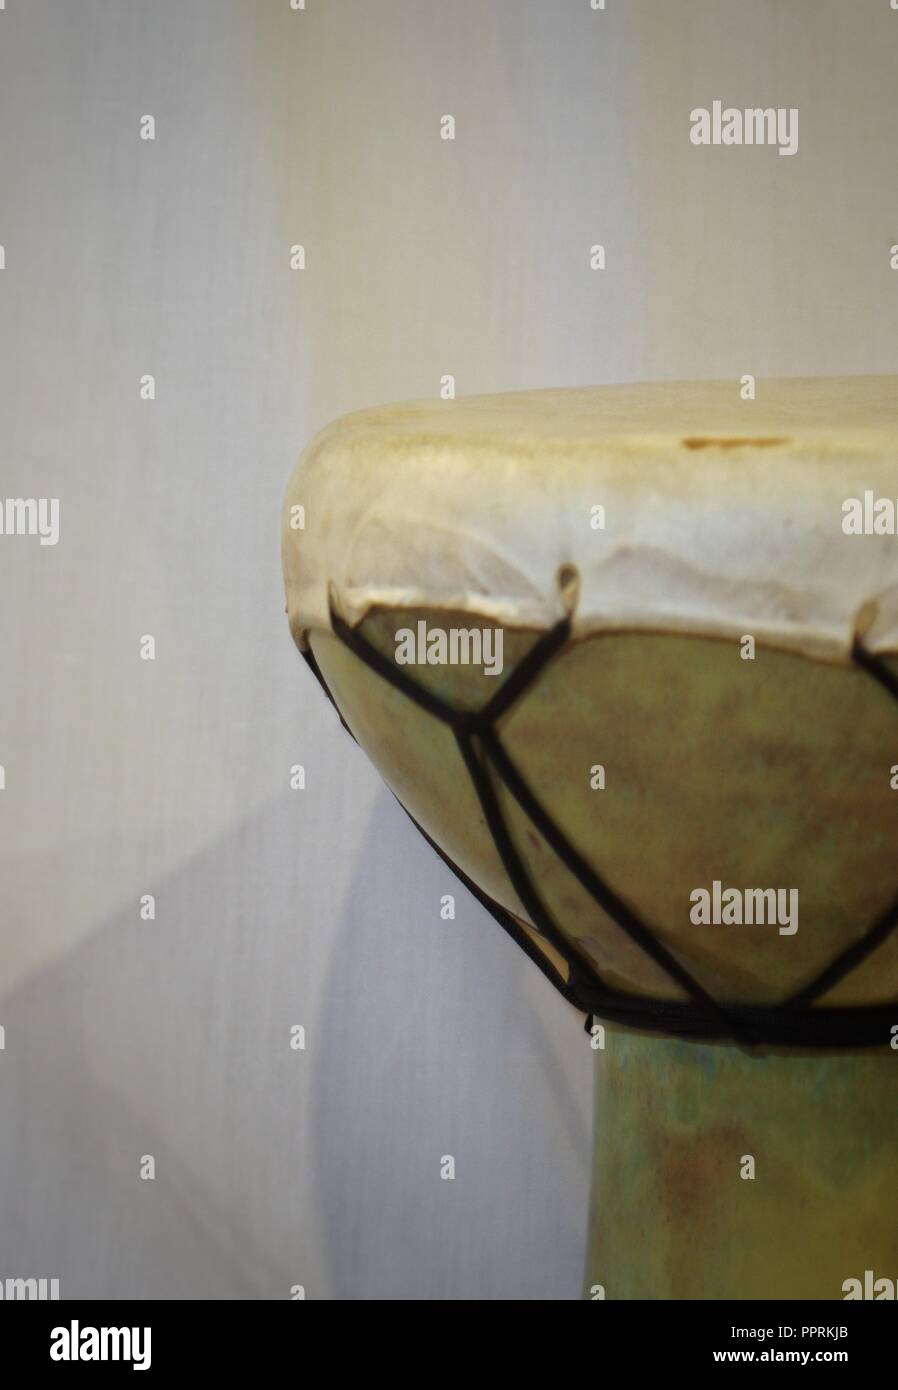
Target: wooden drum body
x=695 y=785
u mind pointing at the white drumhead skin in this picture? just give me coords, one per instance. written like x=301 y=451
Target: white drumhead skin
x=722 y=516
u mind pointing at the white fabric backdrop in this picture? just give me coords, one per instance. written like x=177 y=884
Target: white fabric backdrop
x=124 y=777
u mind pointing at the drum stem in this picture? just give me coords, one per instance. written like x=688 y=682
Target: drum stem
x=720 y=1173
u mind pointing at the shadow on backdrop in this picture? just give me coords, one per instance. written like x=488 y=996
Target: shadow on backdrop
x=273 y=1167
x=442 y=1039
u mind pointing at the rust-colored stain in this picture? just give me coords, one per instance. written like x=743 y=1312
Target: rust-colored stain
x=727 y=442
x=695 y=1170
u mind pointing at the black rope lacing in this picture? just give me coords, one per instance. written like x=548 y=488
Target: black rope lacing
x=789 y=1024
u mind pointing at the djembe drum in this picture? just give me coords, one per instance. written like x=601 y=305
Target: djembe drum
x=628 y=656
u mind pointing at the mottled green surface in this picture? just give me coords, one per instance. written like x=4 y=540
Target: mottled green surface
x=772 y=773
x=670 y=1215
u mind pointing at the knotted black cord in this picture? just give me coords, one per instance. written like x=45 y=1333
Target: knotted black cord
x=504 y=918
x=790 y=1024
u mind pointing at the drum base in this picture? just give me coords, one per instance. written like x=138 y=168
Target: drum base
x=721 y=1174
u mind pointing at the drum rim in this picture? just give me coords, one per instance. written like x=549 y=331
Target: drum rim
x=706 y=533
